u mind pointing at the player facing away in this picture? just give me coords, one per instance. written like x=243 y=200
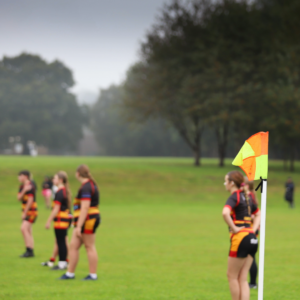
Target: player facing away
x=249 y=188
x=26 y=195
x=61 y=216
x=47 y=191
x=86 y=221
x=237 y=214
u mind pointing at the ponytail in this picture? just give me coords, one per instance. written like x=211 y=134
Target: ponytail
x=239 y=180
x=84 y=172
x=251 y=190
x=91 y=178
x=64 y=177
x=69 y=195
x=243 y=189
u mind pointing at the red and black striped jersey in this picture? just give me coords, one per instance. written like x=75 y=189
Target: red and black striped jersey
x=30 y=193
x=62 y=219
x=61 y=199
x=239 y=208
x=87 y=192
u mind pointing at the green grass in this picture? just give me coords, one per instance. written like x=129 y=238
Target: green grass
x=162 y=235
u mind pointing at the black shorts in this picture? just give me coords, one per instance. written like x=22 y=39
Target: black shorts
x=91 y=224
x=30 y=218
x=243 y=244
x=70 y=220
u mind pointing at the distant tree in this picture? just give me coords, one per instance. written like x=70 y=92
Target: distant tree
x=162 y=84
x=117 y=136
x=196 y=70
x=232 y=66
x=36 y=103
x=280 y=74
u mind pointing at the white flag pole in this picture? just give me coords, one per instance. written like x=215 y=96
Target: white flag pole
x=262 y=241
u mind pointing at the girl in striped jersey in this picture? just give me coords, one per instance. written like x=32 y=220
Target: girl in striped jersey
x=86 y=221
x=60 y=215
x=237 y=214
x=26 y=195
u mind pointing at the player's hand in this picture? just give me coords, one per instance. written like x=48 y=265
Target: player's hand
x=78 y=232
x=236 y=229
x=47 y=226
x=23 y=216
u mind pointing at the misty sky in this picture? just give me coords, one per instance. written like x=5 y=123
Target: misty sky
x=98 y=40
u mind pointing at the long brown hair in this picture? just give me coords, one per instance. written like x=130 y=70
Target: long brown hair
x=84 y=172
x=251 y=189
x=238 y=179
x=62 y=175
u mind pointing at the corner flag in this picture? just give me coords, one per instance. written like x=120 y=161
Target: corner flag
x=253 y=156
x=253 y=160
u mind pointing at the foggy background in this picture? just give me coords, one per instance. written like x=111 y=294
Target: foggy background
x=190 y=78
x=98 y=40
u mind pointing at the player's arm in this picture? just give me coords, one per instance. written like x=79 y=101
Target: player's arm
x=84 y=208
x=53 y=214
x=256 y=220
x=21 y=194
x=26 y=188
x=227 y=218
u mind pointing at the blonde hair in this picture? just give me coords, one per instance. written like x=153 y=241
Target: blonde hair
x=62 y=175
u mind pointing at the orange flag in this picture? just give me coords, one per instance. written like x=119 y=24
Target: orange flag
x=253 y=156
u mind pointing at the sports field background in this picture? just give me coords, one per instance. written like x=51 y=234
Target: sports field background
x=162 y=234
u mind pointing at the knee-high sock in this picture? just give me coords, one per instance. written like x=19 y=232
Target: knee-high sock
x=253 y=272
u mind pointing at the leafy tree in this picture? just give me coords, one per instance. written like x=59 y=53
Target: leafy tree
x=196 y=70
x=162 y=84
x=232 y=66
x=280 y=74
x=36 y=103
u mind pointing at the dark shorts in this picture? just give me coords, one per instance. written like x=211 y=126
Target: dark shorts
x=30 y=219
x=91 y=224
x=70 y=220
x=243 y=244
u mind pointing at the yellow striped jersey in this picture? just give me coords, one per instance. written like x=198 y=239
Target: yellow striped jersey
x=33 y=210
x=87 y=192
x=62 y=219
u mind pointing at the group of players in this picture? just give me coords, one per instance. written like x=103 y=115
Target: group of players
x=241 y=213
x=86 y=219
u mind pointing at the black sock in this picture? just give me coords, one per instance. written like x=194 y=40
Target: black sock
x=29 y=249
x=253 y=272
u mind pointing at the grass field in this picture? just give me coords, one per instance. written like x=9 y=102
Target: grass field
x=162 y=234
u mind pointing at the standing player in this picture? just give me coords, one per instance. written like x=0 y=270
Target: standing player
x=60 y=215
x=29 y=210
x=249 y=187
x=86 y=221
x=47 y=191
x=289 y=192
x=237 y=214
x=51 y=261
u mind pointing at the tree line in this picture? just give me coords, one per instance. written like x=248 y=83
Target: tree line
x=36 y=104
x=230 y=66
x=209 y=74
x=118 y=135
